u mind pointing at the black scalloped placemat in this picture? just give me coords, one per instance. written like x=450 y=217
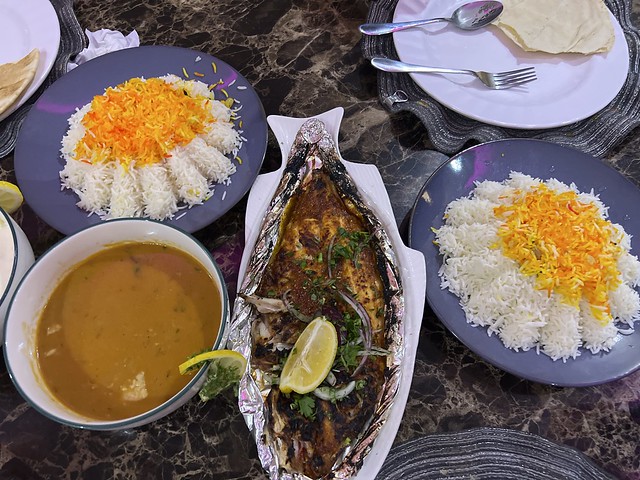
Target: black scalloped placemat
x=449 y=131
x=72 y=41
x=487 y=454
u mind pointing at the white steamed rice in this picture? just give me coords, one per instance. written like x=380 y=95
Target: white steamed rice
x=156 y=191
x=495 y=294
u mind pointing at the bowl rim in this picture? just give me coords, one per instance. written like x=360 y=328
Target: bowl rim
x=142 y=418
x=14 y=266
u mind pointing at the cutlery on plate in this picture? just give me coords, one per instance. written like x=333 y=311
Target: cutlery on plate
x=496 y=80
x=469 y=16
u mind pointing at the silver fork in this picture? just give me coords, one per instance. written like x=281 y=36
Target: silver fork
x=496 y=81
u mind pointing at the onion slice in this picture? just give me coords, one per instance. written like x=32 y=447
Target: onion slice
x=332 y=394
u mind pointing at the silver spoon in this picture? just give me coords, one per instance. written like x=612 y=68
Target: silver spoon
x=469 y=16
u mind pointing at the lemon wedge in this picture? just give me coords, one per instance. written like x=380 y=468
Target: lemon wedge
x=224 y=358
x=311 y=358
x=10 y=197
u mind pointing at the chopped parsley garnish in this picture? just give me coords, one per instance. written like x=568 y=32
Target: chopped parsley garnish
x=349 y=246
x=352 y=326
x=219 y=378
x=347 y=355
x=319 y=288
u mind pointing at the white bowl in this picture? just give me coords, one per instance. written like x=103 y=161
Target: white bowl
x=37 y=286
x=16 y=256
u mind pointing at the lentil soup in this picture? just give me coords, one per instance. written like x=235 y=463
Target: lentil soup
x=116 y=327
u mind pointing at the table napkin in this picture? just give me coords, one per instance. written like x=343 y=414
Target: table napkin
x=104 y=41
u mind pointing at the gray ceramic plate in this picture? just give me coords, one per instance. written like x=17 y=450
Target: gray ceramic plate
x=487 y=454
x=494 y=161
x=37 y=155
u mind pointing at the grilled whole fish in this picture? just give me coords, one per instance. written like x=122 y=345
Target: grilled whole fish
x=321 y=251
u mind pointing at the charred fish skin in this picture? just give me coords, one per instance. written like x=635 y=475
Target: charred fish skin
x=320 y=251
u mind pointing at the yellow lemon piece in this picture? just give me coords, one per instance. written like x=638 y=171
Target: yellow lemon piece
x=10 y=197
x=311 y=358
x=228 y=359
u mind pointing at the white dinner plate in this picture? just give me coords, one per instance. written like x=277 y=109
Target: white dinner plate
x=25 y=25
x=411 y=267
x=569 y=88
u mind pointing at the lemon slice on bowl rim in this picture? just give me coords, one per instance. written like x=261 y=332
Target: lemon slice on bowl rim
x=311 y=358
x=10 y=197
x=225 y=358
x=226 y=368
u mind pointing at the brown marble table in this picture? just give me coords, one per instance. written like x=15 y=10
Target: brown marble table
x=303 y=57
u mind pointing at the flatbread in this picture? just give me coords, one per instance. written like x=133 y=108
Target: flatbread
x=558 y=26
x=16 y=77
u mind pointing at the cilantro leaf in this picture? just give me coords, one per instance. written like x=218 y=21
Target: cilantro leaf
x=305 y=404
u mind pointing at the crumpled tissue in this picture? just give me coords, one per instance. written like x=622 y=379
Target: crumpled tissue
x=104 y=41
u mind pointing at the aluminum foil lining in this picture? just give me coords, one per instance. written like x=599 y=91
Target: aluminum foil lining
x=313 y=148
